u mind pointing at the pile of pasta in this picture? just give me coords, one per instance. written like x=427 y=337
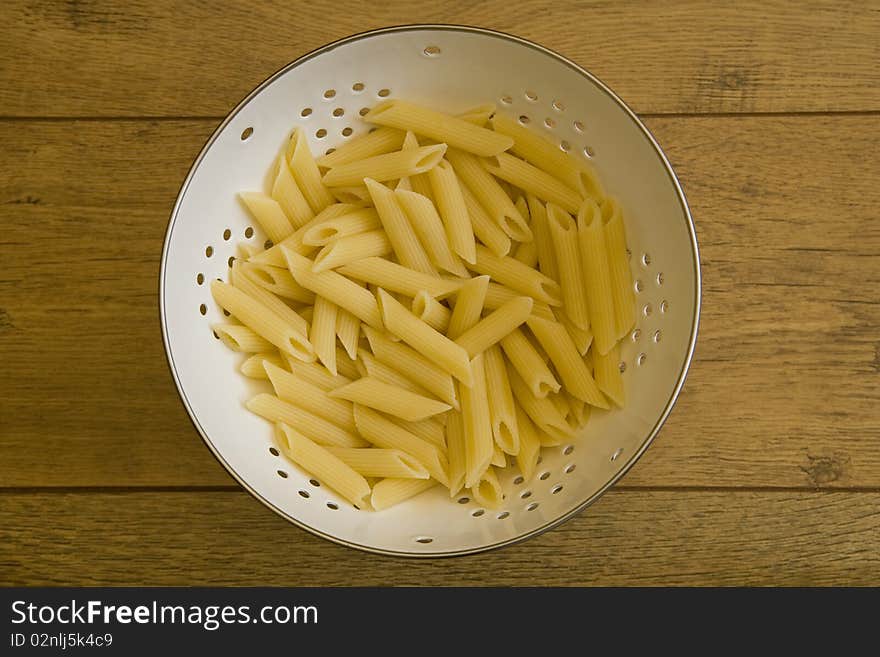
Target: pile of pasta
x=441 y=298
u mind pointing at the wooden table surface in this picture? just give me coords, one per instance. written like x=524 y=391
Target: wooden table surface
x=768 y=470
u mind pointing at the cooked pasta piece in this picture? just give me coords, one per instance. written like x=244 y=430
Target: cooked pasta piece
x=428 y=227
x=447 y=194
x=254 y=367
x=580 y=410
x=376 y=369
x=501 y=406
x=468 y=306
x=336 y=288
x=477 y=425
x=278 y=281
x=490 y=195
x=497 y=295
x=295 y=390
x=543 y=241
x=323 y=332
x=597 y=280
x=353 y=223
x=582 y=339
x=348 y=330
x=618 y=267
x=268 y=214
x=377 y=462
x=262 y=321
x=541 y=410
x=397 y=278
x=382 y=432
x=529 y=445
x=306 y=172
x=430 y=430
x=499 y=460
x=406 y=245
x=608 y=378
x=428 y=342
x=487 y=491
x=533 y=180
x=517 y=276
x=377 y=142
x=495 y=326
x=439 y=127
x=388 y=166
x=419 y=182
x=320 y=463
x=240 y=338
x=316 y=374
x=317 y=428
x=568 y=362
x=288 y=195
x=345 y=250
x=431 y=311
x=390 y=399
x=478 y=115
x=354 y=194
x=274 y=256
x=392 y=491
x=486 y=230
x=457 y=454
x=243 y=281
x=564 y=235
x=526 y=252
x=526 y=360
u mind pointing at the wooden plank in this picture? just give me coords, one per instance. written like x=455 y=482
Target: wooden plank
x=627 y=538
x=143 y=58
x=783 y=391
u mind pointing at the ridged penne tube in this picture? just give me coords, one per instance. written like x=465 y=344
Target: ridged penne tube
x=543 y=241
x=262 y=321
x=478 y=115
x=382 y=432
x=247 y=251
x=336 y=288
x=268 y=214
x=388 y=166
x=352 y=223
x=254 y=367
x=306 y=173
x=240 y=338
x=377 y=142
x=517 y=276
x=397 y=278
x=456 y=453
x=428 y=342
x=393 y=491
x=526 y=252
x=322 y=334
x=468 y=306
x=497 y=295
x=389 y=399
x=499 y=460
x=288 y=195
x=352 y=248
x=278 y=281
x=608 y=377
x=568 y=362
x=406 y=245
x=490 y=195
x=501 y=406
x=564 y=235
x=596 y=277
x=323 y=465
x=439 y=127
x=540 y=410
x=618 y=267
x=447 y=194
x=495 y=326
x=486 y=230
x=428 y=227
x=547 y=156
x=561 y=404
x=317 y=428
x=417 y=183
x=316 y=374
x=487 y=491
x=298 y=392
x=242 y=281
x=533 y=180
x=348 y=330
x=529 y=445
x=526 y=360
x=414 y=366
x=478 y=441
x=582 y=339
x=274 y=256
x=383 y=372
x=345 y=364
x=430 y=430
x=377 y=462
x=580 y=410
x=431 y=311
x=354 y=194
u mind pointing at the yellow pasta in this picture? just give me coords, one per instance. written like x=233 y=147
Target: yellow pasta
x=477 y=425
x=487 y=491
x=351 y=223
x=242 y=281
x=377 y=462
x=608 y=377
x=478 y=115
x=596 y=278
x=274 y=256
x=354 y=194
x=348 y=330
x=278 y=281
x=468 y=306
x=533 y=180
x=540 y=410
x=618 y=267
x=457 y=454
x=376 y=369
x=393 y=491
x=288 y=195
x=529 y=445
x=390 y=399
x=497 y=295
x=315 y=427
x=268 y=214
x=447 y=194
x=495 y=326
x=254 y=367
x=526 y=252
x=388 y=166
x=501 y=407
x=306 y=172
x=428 y=227
x=543 y=241
x=582 y=339
x=564 y=235
x=298 y=392
x=431 y=311
x=526 y=360
x=345 y=364
x=517 y=276
x=240 y=338
x=430 y=430
x=417 y=183
x=397 y=278
x=406 y=245
x=352 y=248
x=580 y=410
x=440 y=127
x=323 y=332
x=377 y=142
x=316 y=374
x=486 y=230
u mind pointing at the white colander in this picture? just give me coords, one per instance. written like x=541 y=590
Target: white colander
x=451 y=68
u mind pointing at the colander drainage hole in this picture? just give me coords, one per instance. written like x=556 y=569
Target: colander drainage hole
x=524 y=119
x=209 y=251
x=588 y=151
x=424 y=540
x=579 y=126
x=282 y=474
x=463 y=500
x=506 y=100
x=330 y=93
x=657 y=335
x=203 y=309
x=557 y=488
x=503 y=515
x=364 y=111
x=200 y=279
x=617 y=453
x=384 y=93
x=321 y=133
x=532 y=506
x=315 y=483
x=544 y=476
x=641 y=358
x=249 y=232
x=304 y=494
x=518 y=481
x=307 y=111
x=558 y=105
x=273 y=451
x=332 y=506
x=346 y=132
x=246 y=133
x=478 y=513
x=664 y=306
x=526 y=494
x=531 y=96
x=432 y=51
x=569 y=468
x=565 y=146
x=357 y=87
x=338 y=112
x=226 y=235
x=567 y=450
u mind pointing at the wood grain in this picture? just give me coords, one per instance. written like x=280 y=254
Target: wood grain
x=144 y=58
x=627 y=538
x=783 y=392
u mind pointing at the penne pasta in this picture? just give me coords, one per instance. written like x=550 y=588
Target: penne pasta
x=582 y=339
x=440 y=127
x=417 y=334
x=268 y=214
x=580 y=411
x=242 y=281
x=619 y=274
x=377 y=142
x=529 y=445
x=388 y=166
x=254 y=368
x=321 y=463
x=428 y=227
x=302 y=394
x=346 y=365
x=608 y=376
x=352 y=223
x=501 y=406
x=323 y=332
x=306 y=173
x=540 y=410
x=486 y=230
x=526 y=360
x=240 y=338
x=457 y=458
x=354 y=194
x=430 y=430
x=288 y=195
x=316 y=374
x=406 y=245
x=468 y=306
x=278 y=281
x=317 y=428
x=564 y=235
x=596 y=277
x=392 y=491
x=478 y=441
x=499 y=460
x=495 y=326
x=487 y=492
x=431 y=311
x=447 y=195
x=478 y=115
x=380 y=371
x=567 y=361
x=543 y=241
x=397 y=278
x=533 y=180
x=417 y=183
x=352 y=248
x=526 y=252
x=274 y=256
x=348 y=330
x=497 y=295
x=390 y=399
x=517 y=276
x=377 y=462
